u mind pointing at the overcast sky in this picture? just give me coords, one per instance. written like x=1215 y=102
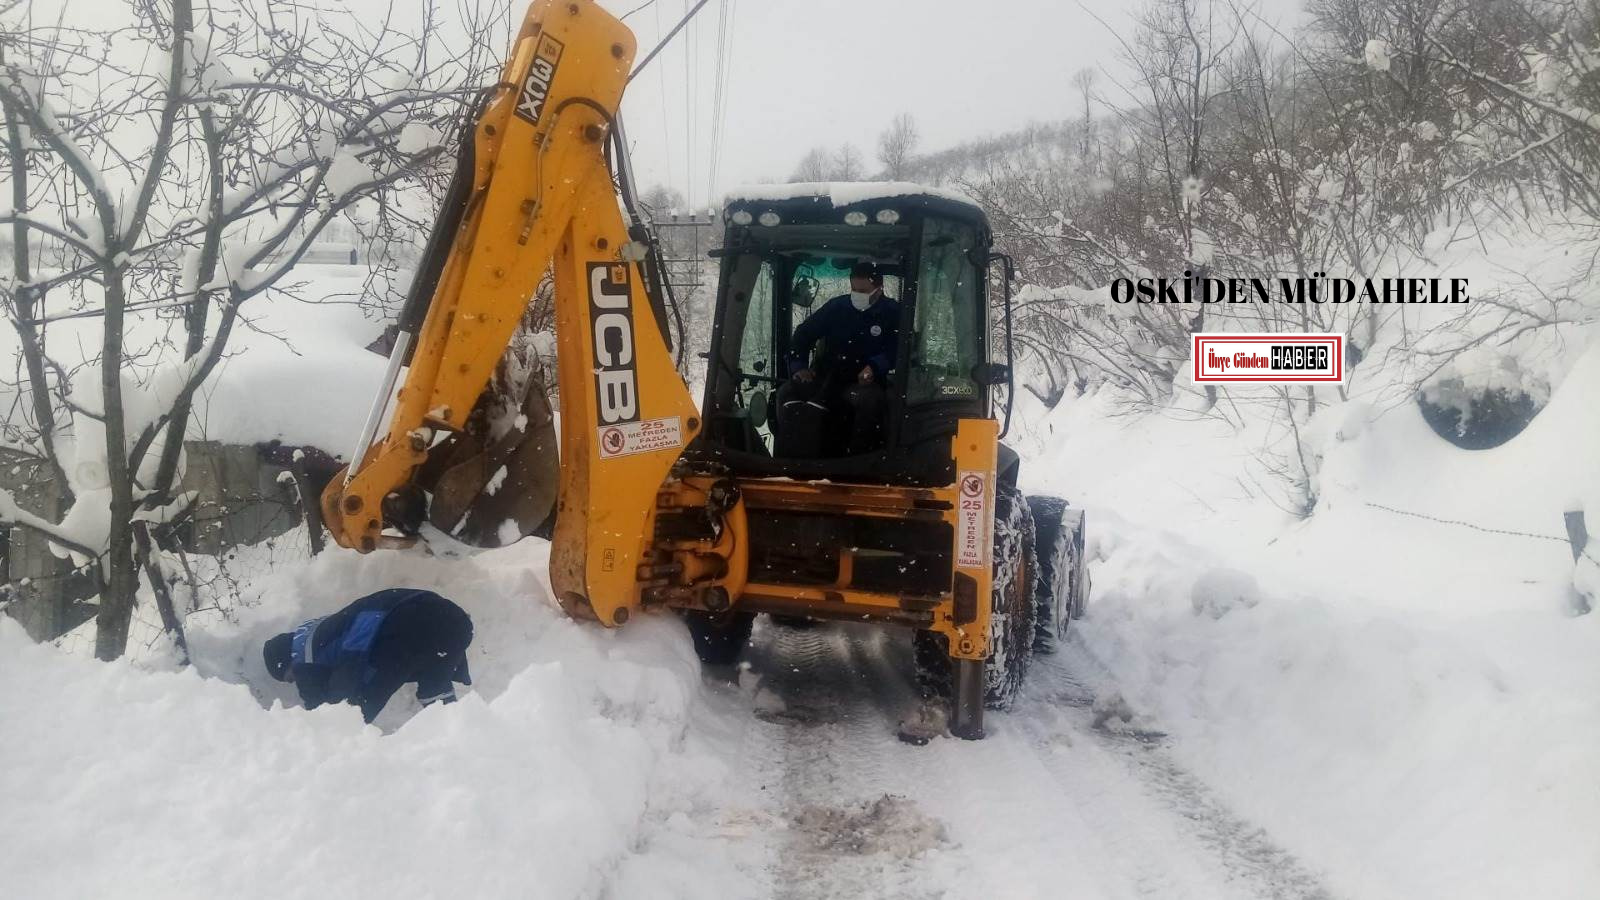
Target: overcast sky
x=802 y=73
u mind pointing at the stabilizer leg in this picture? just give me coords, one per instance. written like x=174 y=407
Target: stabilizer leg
x=966 y=699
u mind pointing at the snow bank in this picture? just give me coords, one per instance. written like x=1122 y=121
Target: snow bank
x=1402 y=700
x=542 y=781
x=1406 y=754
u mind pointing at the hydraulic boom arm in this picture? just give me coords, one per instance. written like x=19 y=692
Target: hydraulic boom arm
x=541 y=198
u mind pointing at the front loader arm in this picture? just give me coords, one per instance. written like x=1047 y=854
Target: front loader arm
x=542 y=195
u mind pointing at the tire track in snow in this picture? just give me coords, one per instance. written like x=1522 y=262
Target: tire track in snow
x=1010 y=833
x=1048 y=805
x=1059 y=695
x=842 y=839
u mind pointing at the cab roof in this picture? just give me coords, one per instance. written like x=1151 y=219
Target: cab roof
x=808 y=199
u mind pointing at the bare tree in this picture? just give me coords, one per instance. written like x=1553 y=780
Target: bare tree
x=1083 y=82
x=848 y=164
x=816 y=165
x=896 y=146
x=819 y=164
x=1254 y=153
x=661 y=200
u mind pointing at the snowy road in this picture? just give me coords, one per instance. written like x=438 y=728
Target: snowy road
x=1050 y=804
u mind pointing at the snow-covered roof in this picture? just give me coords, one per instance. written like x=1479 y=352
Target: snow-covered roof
x=294 y=371
x=843 y=193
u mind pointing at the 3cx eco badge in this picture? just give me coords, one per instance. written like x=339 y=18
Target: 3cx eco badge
x=1228 y=358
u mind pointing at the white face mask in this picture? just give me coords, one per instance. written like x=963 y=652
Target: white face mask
x=861 y=300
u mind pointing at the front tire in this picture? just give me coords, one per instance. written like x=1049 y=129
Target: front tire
x=1011 y=611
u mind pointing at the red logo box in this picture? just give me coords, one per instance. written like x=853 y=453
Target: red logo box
x=1255 y=358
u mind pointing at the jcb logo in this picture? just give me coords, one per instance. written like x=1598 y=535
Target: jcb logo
x=536 y=85
x=611 y=323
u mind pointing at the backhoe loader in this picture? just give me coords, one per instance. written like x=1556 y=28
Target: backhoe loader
x=657 y=503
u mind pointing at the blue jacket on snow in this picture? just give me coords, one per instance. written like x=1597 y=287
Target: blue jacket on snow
x=365 y=652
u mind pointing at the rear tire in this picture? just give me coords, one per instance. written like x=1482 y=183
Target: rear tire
x=1062 y=585
x=1010 y=613
x=719 y=638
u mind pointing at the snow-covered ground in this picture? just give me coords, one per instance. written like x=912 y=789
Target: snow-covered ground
x=1391 y=699
x=572 y=747
x=1406 y=704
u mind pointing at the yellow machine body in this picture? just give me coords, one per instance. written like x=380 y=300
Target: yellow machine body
x=542 y=199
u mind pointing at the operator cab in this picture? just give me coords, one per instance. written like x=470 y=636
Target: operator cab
x=787 y=250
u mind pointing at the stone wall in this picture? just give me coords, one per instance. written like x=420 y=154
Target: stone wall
x=241 y=501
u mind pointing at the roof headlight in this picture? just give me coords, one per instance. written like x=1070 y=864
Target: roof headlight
x=888 y=216
x=742 y=217
x=769 y=218
x=855 y=217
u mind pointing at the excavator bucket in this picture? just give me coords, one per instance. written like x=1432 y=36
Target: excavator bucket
x=496 y=481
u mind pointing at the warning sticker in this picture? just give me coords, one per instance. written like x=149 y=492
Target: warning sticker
x=628 y=438
x=972 y=539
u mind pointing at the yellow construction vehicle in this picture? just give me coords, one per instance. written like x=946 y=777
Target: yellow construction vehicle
x=658 y=503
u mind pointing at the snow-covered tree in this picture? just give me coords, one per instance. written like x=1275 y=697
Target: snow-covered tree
x=163 y=167
x=1343 y=148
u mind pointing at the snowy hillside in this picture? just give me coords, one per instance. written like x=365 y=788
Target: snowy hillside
x=1390 y=692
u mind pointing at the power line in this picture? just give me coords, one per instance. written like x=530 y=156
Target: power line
x=716 y=93
x=663 y=42
x=688 y=106
x=666 y=133
x=719 y=109
x=689 y=70
x=644 y=5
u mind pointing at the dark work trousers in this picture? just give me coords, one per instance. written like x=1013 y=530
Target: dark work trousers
x=821 y=417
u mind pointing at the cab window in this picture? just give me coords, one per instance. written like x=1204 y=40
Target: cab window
x=743 y=362
x=755 y=349
x=948 y=342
